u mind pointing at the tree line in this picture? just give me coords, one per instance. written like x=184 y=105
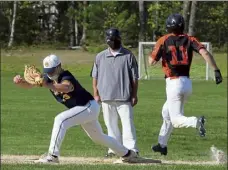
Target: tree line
x=82 y=23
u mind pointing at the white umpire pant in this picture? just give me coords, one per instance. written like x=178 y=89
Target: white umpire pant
x=87 y=117
x=177 y=90
x=111 y=109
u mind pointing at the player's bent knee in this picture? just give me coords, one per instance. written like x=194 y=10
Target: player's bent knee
x=176 y=123
x=165 y=114
x=59 y=121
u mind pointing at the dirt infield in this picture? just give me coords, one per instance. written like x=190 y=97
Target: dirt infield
x=29 y=159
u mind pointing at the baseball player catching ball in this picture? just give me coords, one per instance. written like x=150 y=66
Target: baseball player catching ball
x=82 y=108
x=176 y=50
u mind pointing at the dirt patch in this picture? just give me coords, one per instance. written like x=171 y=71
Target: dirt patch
x=29 y=159
x=218 y=155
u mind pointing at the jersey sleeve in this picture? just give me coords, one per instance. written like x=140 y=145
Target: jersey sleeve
x=196 y=45
x=68 y=79
x=134 y=67
x=94 y=71
x=158 y=49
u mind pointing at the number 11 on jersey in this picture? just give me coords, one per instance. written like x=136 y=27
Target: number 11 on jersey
x=179 y=55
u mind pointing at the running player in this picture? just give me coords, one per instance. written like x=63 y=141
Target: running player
x=176 y=50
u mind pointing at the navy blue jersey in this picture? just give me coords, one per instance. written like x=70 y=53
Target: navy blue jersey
x=78 y=97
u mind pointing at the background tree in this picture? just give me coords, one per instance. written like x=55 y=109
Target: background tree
x=13 y=24
x=71 y=19
x=84 y=24
x=186 y=13
x=142 y=21
x=192 y=20
x=67 y=23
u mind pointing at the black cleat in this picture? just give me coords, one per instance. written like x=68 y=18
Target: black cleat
x=158 y=148
x=202 y=130
x=110 y=155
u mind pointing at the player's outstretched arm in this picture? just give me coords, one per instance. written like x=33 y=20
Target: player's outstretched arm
x=157 y=52
x=210 y=59
x=151 y=61
x=65 y=86
x=19 y=81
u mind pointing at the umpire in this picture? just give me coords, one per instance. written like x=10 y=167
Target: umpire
x=115 y=84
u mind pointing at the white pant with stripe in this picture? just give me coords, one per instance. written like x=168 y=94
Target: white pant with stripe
x=177 y=90
x=87 y=117
x=111 y=110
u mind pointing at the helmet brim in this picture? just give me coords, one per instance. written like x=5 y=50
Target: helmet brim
x=48 y=70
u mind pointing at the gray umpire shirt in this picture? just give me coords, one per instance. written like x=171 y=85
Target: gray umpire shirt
x=115 y=74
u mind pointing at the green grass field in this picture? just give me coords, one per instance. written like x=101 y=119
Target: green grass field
x=27 y=117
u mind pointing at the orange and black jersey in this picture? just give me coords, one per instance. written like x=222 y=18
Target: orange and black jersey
x=176 y=52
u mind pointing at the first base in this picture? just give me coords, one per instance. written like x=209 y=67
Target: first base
x=139 y=160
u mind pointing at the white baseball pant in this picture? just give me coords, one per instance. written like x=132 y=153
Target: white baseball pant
x=177 y=91
x=111 y=109
x=87 y=117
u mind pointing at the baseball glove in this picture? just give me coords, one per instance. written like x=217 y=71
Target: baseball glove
x=33 y=75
